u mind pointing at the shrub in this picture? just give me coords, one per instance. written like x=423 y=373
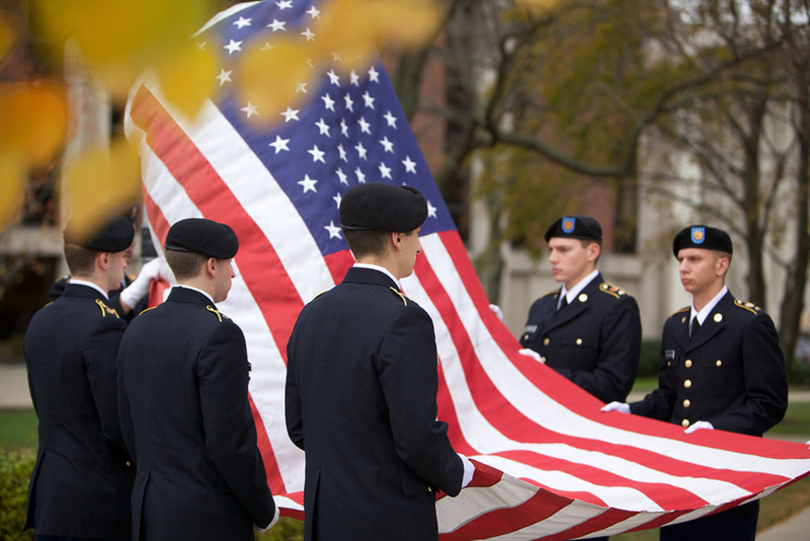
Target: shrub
x=16 y=466
x=286 y=529
x=650 y=359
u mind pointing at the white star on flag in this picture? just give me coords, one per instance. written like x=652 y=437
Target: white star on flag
x=349 y=102
x=337 y=199
x=242 y=22
x=390 y=119
x=284 y=4
x=364 y=126
x=334 y=231
x=334 y=78
x=343 y=178
x=314 y=13
x=360 y=176
x=201 y=46
x=278 y=25
x=233 y=46
x=369 y=100
x=373 y=75
x=361 y=151
x=280 y=144
x=309 y=35
x=250 y=110
x=385 y=171
x=342 y=152
x=431 y=210
x=355 y=79
x=301 y=87
x=387 y=145
x=308 y=184
x=224 y=76
x=328 y=102
x=290 y=114
x=317 y=154
x=344 y=128
x=410 y=165
x=323 y=127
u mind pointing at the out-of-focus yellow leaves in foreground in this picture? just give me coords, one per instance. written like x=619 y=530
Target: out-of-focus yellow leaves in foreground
x=538 y=5
x=12 y=179
x=351 y=28
x=33 y=119
x=7 y=35
x=269 y=79
x=187 y=76
x=120 y=38
x=100 y=176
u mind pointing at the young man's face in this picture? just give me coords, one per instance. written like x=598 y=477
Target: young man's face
x=117 y=262
x=411 y=247
x=700 y=269
x=570 y=260
x=224 y=279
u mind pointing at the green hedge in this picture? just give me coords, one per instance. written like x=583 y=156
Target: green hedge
x=16 y=466
x=650 y=359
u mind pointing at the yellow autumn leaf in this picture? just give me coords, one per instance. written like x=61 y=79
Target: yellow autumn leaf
x=188 y=75
x=405 y=24
x=270 y=79
x=12 y=181
x=120 y=38
x=537 y=5
x=33 y=119
x=7 y=35
x=348 y=30
x=101 y=177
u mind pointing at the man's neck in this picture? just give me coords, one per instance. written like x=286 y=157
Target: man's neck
x=700 y=300
x=572 y=284
x=89 y=281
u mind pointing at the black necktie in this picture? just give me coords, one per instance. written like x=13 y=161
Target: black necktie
x=564 y=303
x=694 y=325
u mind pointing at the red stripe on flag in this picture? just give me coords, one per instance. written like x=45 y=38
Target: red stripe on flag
x=258 y=262
x=266 y=449
x=338 y=264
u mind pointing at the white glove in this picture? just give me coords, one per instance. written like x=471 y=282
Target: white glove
x=469 y=471
x=140 y=287
x=497 y=311
x=272 y=523
x=533 y=354
x=697 y=426
x=621 y=407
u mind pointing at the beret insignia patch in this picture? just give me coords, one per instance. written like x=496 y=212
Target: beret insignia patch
x=568 y=224
x=698 y=235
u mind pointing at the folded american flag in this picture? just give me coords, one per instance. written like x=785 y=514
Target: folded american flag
x=549 y=464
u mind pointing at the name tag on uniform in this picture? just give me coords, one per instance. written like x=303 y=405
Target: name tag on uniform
x=530 y=328
x=669 y=354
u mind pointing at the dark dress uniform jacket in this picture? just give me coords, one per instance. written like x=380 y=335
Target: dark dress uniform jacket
x=594 y=342
x=82 y=480
x=361 y=401
x=187 y=422
x=731 y=373
x=115 y=296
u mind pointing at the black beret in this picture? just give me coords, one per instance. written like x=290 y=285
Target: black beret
x=382 y=207
x=575 y=227
x=202 y=236
x=702 y=236
x=114 y=234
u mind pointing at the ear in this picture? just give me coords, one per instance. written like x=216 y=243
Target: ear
x=211 y=267
x=593 y=251
x=396 y=240
x=721 y=265
x=104 y=260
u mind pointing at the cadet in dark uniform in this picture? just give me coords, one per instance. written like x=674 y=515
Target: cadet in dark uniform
x=362 y=383
x=130 y=296
x=588 y=330
x=721 y=367
x=82 y=481
x=183 y=390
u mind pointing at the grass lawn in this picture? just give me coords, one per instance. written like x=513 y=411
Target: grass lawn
x=18 y=427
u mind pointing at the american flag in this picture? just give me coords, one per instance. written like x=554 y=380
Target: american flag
x=549 y=464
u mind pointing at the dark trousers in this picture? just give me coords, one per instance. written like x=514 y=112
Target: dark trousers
x=725 y=526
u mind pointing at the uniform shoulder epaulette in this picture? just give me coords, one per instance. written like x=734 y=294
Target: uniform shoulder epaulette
x=216 y=312
x=552 y=292
x=147 y=309
x=750 y=306
x=610 y=289
x=401 y=296
x=319 y=294
x=63 y=277
x=106 y=309
x=681 y=310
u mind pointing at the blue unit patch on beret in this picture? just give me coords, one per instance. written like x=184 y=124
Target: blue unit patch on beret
x=568 y=224
x=698 y=235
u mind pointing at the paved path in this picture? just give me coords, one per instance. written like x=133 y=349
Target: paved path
x=14 y=394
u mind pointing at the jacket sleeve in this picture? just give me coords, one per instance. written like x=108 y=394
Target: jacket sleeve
x=292 y=397
x=230 y=433
x=765 y=380
x=407 y=364
x=619 y=350
x=100 y=356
